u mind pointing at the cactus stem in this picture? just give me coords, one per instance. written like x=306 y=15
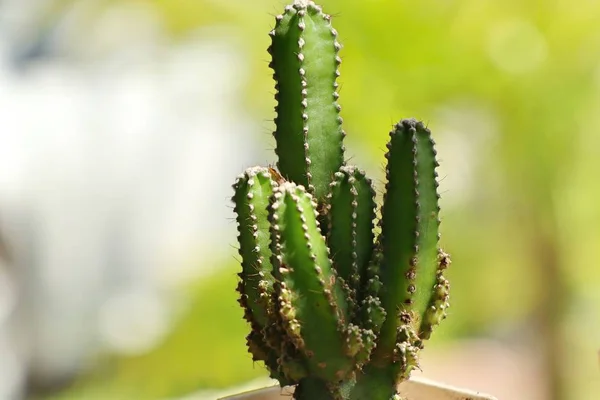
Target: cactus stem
x=409 y=228
x=306 y=270
x=307 y=122
x=339 y=297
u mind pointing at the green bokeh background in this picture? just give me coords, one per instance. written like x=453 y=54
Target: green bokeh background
x=512 y=89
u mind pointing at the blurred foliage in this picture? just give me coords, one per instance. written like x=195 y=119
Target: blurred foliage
x=203 y=348
x=206 y=348
x=531 y=71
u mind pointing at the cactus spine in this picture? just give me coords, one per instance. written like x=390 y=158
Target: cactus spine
x=332 y=308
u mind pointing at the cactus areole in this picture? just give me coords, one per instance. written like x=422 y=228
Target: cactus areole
x=334 y=308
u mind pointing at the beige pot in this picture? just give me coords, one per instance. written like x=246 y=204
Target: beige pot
x=414 y=389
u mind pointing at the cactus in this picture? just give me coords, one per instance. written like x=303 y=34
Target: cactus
x=334 y=309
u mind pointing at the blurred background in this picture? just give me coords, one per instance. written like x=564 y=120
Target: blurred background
x=124 y=123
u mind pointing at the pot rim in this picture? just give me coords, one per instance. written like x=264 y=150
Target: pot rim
x=413 y=385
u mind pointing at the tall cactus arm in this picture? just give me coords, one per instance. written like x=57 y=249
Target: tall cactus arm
x=311 y=303
x=409 y=232
x=305 y=62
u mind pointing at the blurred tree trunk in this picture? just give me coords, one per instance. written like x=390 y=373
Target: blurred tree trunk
x=551 y=311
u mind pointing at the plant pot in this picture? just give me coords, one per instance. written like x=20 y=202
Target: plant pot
x=414 y=389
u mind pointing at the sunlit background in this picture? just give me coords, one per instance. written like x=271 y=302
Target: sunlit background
x=124 y=123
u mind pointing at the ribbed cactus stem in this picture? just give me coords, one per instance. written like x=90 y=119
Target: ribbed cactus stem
x=305 y=62
x=409 y=234
x=252 y=192
x=311 y=302
x=351 y=211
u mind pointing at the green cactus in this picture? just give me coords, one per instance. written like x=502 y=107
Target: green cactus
x=333 y=309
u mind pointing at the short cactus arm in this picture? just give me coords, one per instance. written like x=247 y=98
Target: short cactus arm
x=351 y=212
x=251 y=198
x=308 y=131
x=311 y=303
x=409 y=232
